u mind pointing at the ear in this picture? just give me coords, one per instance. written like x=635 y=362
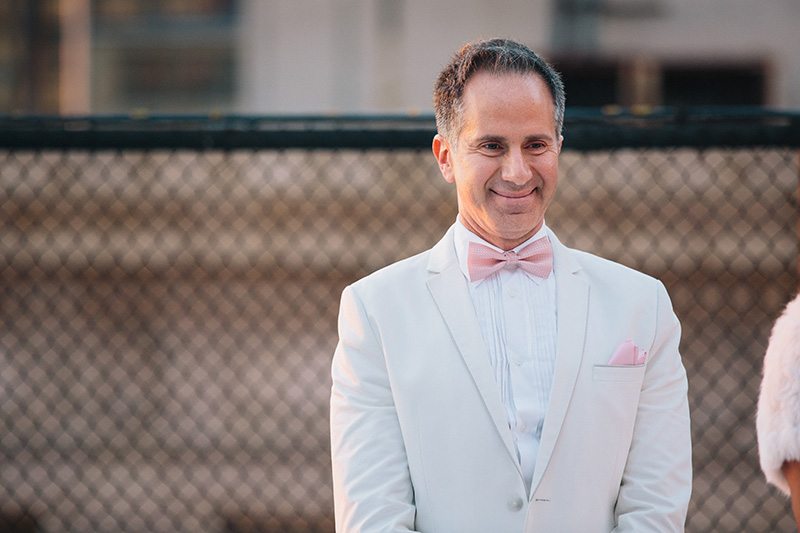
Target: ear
x=443 y=155
x=560 y=142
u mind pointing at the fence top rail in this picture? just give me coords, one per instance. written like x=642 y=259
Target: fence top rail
x=585 y=129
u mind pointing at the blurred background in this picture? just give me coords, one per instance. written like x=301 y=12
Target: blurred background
x=187 y=185
x=377 y=56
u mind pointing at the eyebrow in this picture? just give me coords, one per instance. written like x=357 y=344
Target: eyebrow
x=500 y=138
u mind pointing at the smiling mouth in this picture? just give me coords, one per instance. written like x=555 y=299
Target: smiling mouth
x=515 y=195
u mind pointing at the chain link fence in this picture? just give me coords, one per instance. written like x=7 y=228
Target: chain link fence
x=170 y=291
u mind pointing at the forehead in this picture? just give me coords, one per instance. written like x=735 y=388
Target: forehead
x=507 y=100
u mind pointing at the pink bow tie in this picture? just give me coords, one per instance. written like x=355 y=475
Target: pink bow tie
x=536 y=258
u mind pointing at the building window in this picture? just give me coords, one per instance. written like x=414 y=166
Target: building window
x=643 y=81
x=713 y=84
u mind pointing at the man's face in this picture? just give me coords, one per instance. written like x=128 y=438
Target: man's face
x=504 y=162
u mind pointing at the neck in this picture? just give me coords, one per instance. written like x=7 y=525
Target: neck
x=504 y=243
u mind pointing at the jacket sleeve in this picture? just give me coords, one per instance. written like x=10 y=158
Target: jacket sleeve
x=778 y=418
x=657 y=480
x=371 y=483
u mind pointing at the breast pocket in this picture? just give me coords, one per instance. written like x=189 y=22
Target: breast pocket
x=613 y=402
x=620 y=374
x=614 y=394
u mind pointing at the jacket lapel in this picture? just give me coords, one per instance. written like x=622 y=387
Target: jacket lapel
x=572 y=303
x=450 y=291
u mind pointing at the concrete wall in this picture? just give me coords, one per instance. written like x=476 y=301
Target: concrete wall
x=383 y=55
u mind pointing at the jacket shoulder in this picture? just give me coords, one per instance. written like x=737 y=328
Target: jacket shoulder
x=608 y=272
x=401 y=272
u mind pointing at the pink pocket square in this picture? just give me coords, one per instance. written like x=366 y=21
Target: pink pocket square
x=628 y=354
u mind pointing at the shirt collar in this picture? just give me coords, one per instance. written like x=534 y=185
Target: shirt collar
x=462 y=237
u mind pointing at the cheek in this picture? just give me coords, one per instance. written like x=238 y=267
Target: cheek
x=469 y=195
x=471 y=182
x=549 y=172
x=549 y=165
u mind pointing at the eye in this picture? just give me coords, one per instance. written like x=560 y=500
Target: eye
x=538 y=147
x=492 y=146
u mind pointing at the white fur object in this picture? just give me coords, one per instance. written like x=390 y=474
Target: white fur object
x=778 y=418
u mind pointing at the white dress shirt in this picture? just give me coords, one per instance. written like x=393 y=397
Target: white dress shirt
x=517 y=316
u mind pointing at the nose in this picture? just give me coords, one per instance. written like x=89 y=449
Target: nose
x=516 y=168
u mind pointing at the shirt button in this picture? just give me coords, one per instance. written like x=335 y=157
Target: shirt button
x=515 y=504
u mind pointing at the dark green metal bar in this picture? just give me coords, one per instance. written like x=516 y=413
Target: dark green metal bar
x=585 y=130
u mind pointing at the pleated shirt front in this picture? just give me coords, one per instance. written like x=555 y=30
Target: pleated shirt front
x=517 y=316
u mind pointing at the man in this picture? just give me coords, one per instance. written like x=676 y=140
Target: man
x=501 y=382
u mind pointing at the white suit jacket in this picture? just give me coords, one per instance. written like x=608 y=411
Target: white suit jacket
x=419 y=436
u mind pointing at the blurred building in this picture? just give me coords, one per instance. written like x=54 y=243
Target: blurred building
x=29 y=55
x=374 y=56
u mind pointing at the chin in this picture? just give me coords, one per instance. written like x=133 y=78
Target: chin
x=522 y=224
x=517 y=233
